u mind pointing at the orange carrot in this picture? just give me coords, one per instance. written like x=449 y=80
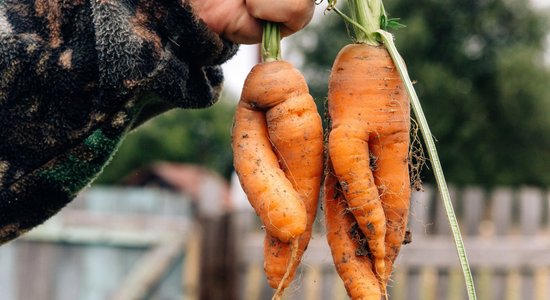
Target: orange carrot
x=296 y=132
x=369 y=139
x=368 y=146
x=278 y=149
x=352 y=264
x=269 y=191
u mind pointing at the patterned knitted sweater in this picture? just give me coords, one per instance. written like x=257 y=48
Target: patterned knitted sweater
x=75 y=77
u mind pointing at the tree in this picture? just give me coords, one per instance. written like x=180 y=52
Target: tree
x=192 y=136
x=480 y=76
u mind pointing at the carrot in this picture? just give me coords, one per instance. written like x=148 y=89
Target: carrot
x=369 y=144
x=296 y=132
x=369 y=108
x=278 y=134
x=354 y=267
x=271 y=194
x=300 y=148
x=369 y=139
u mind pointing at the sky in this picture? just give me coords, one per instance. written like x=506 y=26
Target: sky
x=237 y=68
x=541 y=3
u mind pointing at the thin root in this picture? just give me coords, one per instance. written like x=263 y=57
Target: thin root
x=293 y=256
x=417 y=158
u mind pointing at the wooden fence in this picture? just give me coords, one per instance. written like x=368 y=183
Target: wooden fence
x=107 y=244
x=145 y=244
x=506 y=233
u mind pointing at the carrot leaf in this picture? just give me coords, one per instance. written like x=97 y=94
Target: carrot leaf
x=390 y=23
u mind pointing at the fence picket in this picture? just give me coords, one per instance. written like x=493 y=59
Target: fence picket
x=253 y=287
x=312 y=283
x=527 y=284
x=483 y=283
x=457 y=289
x=498 y=284
x=501 y=210
x=69 y=273
x=441 y=219
x=419 y=218
x=443 y=284
x=8 y=263
x=542 y=283
x=43 y=259
x=501 y=201
x=473 y=205
x=530 y=217
x=530 y=201
x=339 y=290
x=398 y=284
x=414 y=283
x=326 y=283
x=429 y=283
x=513 y=291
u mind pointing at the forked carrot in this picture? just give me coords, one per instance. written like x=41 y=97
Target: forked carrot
x=298 y=141
x=369 y=141
x=368 y=145
x=270 y=192
x=385 y=94
x=299 y=148
x=278 y=149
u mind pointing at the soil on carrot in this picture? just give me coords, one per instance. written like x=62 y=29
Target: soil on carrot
x=373 y=162
x=355 y=232
x=359 y=238
x=328 y=122
x=408 y=237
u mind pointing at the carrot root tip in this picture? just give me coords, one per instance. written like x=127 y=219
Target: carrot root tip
x=294 y=245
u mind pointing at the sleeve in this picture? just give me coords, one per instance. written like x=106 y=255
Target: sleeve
x=74 y=77
x=159 y=47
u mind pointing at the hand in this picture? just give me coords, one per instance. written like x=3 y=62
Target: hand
x=241 y=20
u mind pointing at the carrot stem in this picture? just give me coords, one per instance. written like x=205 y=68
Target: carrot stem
x=434 y=159
x=271 y=42
x=367 y=13
x=365 y=16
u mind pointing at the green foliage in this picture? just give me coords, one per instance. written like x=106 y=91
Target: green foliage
x=390 y=23
x=190 y=136
x=481 y=77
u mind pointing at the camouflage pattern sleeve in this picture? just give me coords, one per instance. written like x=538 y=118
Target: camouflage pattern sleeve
x=75 y=77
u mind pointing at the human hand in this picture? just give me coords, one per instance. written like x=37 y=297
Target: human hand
x=241 y=20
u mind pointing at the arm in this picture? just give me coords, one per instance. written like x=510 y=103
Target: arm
x=74 y=77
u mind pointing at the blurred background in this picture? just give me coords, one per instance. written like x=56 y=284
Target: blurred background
x=167 y=220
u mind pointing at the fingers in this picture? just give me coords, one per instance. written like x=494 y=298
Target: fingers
x=241 y=20
x=244 y=28
x=292 y=14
